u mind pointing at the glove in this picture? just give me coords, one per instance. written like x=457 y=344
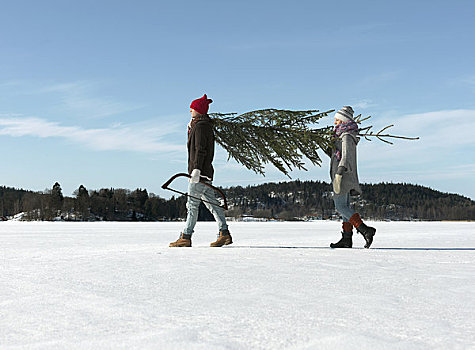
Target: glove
x=195 y=176
x=337 y=183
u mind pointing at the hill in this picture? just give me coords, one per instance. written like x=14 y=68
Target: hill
x=285 y=200
x=378 y=201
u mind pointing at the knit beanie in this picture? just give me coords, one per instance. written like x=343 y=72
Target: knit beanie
x=345 y=114
x=201 y=105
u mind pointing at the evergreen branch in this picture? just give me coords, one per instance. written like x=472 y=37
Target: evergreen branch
x=366 y=132
x=359 y=118
x=386 y=141
x=385 y=128
x=380 y=136
x=281 y=137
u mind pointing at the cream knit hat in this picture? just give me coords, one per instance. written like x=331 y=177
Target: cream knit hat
x=345 y=114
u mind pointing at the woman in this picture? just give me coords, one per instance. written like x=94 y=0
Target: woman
x=344 y=176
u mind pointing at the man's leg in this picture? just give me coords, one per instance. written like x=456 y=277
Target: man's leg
x=192 y=206
x=209 y=195
x=224 y=237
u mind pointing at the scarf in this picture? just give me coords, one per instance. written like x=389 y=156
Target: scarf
x=349 y=126
x=193 y=121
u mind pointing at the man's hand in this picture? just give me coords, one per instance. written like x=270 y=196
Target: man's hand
x=195 y=176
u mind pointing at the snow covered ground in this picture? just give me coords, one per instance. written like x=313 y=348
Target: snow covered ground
x=118 y=286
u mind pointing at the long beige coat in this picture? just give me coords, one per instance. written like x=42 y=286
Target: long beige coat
x=346 y=144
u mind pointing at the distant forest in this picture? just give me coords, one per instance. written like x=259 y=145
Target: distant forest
x=293 y=200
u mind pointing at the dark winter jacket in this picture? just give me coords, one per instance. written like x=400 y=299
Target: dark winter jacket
x=201 y=148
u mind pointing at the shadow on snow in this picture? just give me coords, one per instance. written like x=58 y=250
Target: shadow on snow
x=295 y=247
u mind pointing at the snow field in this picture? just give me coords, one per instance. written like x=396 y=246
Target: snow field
x=119 y=286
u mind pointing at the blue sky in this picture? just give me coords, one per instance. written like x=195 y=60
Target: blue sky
x=98 y=92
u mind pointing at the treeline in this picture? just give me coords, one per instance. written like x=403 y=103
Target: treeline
x=384 y=201
x=286 y=200
x=95 y=205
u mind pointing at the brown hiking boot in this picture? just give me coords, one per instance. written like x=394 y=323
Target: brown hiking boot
x=183 y=241
x=223 y=239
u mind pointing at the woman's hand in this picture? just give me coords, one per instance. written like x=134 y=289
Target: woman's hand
x=337 y=183
x=338 y=178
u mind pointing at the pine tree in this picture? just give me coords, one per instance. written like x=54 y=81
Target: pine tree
x=83 y=202
x=281 y=137
x=56 y=199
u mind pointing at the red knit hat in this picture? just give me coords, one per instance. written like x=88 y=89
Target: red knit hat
x=201 y=105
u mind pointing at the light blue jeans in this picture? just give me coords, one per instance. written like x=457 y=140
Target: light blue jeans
x=200 y=190
x=342 y=205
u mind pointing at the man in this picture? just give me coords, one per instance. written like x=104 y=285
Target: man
x=200 y=158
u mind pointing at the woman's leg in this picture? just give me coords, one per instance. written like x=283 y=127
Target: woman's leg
x=342 y=205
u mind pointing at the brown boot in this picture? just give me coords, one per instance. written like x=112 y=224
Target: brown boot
x=183 y=241
x=223 y=239
x=368 y=232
